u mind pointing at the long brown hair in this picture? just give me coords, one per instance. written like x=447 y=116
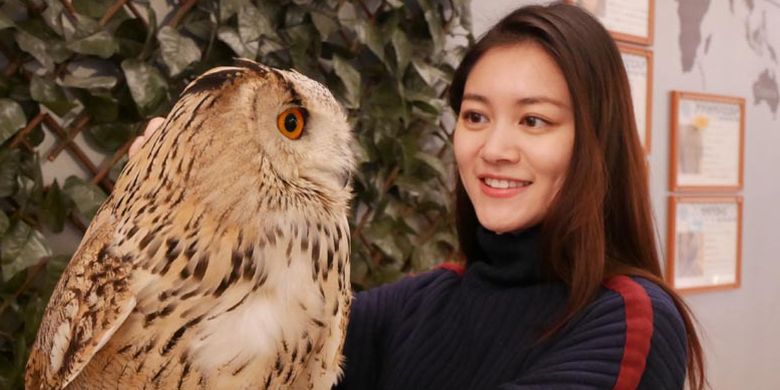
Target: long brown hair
x=600 y=224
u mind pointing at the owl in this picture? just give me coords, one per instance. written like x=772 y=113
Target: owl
x=221 y=259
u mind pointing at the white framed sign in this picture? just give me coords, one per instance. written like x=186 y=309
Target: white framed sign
x=705 y=243
x=707 y=142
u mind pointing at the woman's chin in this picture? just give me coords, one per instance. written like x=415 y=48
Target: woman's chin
x=500 y=226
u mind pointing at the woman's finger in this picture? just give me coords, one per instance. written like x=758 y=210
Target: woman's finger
x=151 y=127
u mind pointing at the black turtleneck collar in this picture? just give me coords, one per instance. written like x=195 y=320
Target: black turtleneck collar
x=507 y=259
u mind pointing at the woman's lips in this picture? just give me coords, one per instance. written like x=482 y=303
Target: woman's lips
x=502 y=187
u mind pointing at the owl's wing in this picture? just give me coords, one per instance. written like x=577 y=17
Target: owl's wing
x=91 y=301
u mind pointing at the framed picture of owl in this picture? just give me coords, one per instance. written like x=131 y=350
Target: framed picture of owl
x=704 y=250
x=627 y=20
x=639 y=68
x=707 y=142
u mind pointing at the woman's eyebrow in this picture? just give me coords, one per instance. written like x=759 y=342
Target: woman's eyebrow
x=526 y=101
x=531 y=100
x=476 y=97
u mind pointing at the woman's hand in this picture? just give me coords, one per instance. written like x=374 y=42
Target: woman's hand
x=151 y=127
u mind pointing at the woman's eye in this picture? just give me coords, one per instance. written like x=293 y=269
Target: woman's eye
x=474 y=117
x=533 y=121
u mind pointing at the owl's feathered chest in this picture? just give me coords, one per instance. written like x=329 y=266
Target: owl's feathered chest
x=229 y=298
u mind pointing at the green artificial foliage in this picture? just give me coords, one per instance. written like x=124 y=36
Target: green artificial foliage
x=388 y=61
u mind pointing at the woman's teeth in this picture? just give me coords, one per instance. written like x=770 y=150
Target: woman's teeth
x=504 y=184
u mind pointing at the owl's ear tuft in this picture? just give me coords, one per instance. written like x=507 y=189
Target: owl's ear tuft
x=213 y=80
x=252 y=65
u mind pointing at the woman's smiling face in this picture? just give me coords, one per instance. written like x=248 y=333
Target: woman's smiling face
x=514 y=136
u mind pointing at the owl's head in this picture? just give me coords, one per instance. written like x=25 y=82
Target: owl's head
x=250 y=128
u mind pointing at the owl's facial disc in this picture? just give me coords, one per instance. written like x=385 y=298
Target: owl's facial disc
x=312 y=134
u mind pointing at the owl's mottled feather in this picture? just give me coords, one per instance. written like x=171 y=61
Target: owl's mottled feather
x=221 y=259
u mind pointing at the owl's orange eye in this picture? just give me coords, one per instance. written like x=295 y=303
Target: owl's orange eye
x=291 y=122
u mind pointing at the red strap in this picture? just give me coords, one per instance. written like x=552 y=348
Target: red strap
x=454 y=267
x=639 y=330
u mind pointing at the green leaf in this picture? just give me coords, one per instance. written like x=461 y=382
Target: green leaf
x=293 y=16
x=5 y=85
x=88 y=82
x=299 y=48
x=147 y=86
x=429 y=73
x=35 y=37
x=86 y=77
x=324 y=24
x=9 y=170
x=101 y=44
x=200 y=29
x=178 y=51
x=252 y=24
x=380 y=234
x=403 y=51
x=385 y=102
x=22 y=247
x=108 y=137
x=48 y=93
x=433 y=162
x=428 y=104
x=53 y=15
x=36 y=47
x=31 y=178
x=346 y=14
x=228 y=8
x=92 y=8
x=33 y=312
x=117 y=169
x=12 y=118
x=86 y=196
x=427 y=255
x=131 y=35
x=4 y=223
x=54 y=209
x=54 y=268
x=351 y=79
x=5 y=22
x=369 y=34
x=231 y=38
x=387 y=274
x=35 y=136
x=434 y=25
x=101 y=108
x=358 y=271
x=463 y=9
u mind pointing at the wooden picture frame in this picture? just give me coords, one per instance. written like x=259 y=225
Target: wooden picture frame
x=639 y=68
x=704 y=243
x=629 y=21
x=707 y=142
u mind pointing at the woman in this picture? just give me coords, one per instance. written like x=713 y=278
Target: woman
x=562 y=286
x=553 y=216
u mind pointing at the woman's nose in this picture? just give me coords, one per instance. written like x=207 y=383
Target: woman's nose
x=500 y=145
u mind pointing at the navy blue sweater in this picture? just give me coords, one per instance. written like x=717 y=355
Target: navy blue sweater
x=480 y=329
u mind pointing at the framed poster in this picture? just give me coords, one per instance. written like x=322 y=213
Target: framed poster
x=627 y=20
x=705 y=243
x=707 y=142
x=639 y=67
